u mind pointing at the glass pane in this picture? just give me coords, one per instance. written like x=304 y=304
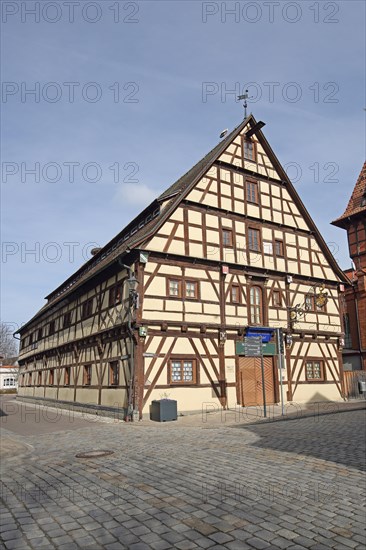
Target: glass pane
x=267 y=247
x=188 y=371
x=253 y=239
x=248 y=150
x=309 y=370
x=191 y=290
x=317 y=370
x=251 y=192
x=257 y=315
x=256 y=296
x=173 y=288
x=280 y=248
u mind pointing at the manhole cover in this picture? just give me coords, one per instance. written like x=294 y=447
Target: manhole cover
x=94 y=454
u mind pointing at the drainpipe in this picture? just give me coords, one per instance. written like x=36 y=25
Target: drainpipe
x=358 y=326
x=130 y=410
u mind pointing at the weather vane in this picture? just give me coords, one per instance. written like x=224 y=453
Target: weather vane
x=245 y=96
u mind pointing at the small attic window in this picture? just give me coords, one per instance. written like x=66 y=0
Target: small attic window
x=363 y=199
x=249 y=149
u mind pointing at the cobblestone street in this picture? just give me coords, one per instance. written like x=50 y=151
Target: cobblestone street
x=288 y=484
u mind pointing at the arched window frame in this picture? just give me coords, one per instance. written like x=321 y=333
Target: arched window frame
x=255 y=305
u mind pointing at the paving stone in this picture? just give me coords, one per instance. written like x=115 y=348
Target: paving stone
x=62 y=540
x=160 y=545
x=85 y=542
x=91 y=526
x=150 y=537
x=237 y=545
x=140 y=530
x=204 y=542
x=11 y=535
x=257 y=543
x=287 y=534
x=186 y=545
x=303 y=541
x=201 y=526
x=16 y=544
x=221 y=538
x=239 y=534
x=180 y=528
x=54 y=532
x=346 y=542
x=319 y=546
x=8 y=527
x=173 y=537
x=305 y=533
x=279 y=542
x=40 y=543
x=130 y=539
x=160 y=529
x=35 y=534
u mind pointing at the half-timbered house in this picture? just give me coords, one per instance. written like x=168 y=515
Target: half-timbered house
x=159 y=311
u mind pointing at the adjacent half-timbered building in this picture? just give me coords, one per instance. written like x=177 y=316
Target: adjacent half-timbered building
x=160 y=310
x=353 y=220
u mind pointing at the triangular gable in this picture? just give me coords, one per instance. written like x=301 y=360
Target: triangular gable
x=227 y=152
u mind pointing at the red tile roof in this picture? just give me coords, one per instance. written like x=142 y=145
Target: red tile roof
x=354 y=205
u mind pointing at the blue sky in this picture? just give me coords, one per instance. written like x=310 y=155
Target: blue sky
x=129 y=95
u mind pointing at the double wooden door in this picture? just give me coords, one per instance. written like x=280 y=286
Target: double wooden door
x=250 y=387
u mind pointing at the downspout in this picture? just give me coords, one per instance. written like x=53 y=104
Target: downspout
x=358 y=325
x=130 y=407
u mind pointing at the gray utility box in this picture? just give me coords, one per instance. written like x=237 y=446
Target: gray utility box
x=163 y=410
x=362 y=386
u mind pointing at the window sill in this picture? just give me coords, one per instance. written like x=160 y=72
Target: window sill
x=184 y=384
x=182 y=299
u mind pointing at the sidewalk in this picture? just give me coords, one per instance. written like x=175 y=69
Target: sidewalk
x=210 y=417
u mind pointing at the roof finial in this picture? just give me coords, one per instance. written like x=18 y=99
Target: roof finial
x=245 y=105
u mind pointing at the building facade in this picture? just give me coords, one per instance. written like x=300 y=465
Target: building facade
x=8 y=377
x=354 y=222
x=162 y=309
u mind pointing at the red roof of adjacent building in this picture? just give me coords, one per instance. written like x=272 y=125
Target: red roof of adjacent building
x=357 y=202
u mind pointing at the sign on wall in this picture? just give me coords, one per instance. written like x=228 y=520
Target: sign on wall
x=268 y=349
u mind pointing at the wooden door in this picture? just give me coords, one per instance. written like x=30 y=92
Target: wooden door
x=250 y=381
